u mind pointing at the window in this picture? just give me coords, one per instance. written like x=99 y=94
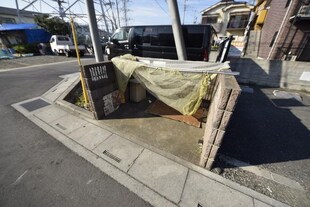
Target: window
x=6 y=20
x=212 y=20
x=238 y=21
x=120 y=35
x=209 y=20
x=63 y=39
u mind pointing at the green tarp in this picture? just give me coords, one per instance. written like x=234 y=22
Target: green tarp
x=182 y=91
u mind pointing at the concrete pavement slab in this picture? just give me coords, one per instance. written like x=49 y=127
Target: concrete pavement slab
x=207 y=192
x=161 y=174
x=119 y=151
x=68 y=123
x=90 y=136
x=258 y=203
x=50 y=114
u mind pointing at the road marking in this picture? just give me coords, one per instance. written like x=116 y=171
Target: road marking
x=262 y=173
x=40 y=65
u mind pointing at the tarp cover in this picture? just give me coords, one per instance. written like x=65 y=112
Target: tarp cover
x=6 y=27
x=182 y=91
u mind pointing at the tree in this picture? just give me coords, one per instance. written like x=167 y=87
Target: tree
x=53 y=25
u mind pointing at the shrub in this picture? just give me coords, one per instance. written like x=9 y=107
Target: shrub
x=26 y=48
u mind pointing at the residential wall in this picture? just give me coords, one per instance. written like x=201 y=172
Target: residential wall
x=24 y=19
x=271 y=73
x=289 y=38
x=272 y=24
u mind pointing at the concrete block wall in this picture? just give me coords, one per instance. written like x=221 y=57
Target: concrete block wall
x=223 y=101
x=271 y=73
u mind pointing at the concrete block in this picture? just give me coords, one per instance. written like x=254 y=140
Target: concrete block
x=209 y=163
x=219 y=137
x=210 y=137
x=137 y=92
x=50 y=114
x=200 y=190
x=161 y=174
x=206 y=150
x=232 y=100
x=68 y=123
x=119 y=151
x=213 y=152
x=90 y=136
x=217 y=118
x=225 y=120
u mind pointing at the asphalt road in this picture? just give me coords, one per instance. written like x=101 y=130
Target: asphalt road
x=37 y=170
x=271 y=133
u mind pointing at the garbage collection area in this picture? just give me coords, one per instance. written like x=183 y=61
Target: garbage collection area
x=180 y=107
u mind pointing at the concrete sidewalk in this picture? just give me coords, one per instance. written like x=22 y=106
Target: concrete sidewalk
x=157 y=177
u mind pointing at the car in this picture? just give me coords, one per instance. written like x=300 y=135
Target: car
x=157 y=41
x=61 y=44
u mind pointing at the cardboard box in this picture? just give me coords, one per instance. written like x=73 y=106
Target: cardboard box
x=137 y=91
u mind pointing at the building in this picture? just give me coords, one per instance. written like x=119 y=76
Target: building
x=9 y=16
x=228 y=17
x=281 y=30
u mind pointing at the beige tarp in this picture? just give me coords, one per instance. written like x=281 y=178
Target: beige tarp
x=182 y=91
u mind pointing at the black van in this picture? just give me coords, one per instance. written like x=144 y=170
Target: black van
x=158 y=42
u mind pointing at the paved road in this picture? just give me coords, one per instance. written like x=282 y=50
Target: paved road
x=35 y=169
x=272 y=133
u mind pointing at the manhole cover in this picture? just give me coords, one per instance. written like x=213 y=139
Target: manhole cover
x=34 y=105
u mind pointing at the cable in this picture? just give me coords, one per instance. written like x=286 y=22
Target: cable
x=161 y=7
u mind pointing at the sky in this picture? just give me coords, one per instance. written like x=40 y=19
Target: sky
x=141 y=12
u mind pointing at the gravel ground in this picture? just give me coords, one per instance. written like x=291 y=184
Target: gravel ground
x=34 y=60
x=267 y=187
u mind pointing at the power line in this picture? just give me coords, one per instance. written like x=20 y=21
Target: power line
x=161 y=7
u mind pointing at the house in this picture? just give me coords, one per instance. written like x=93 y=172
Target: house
x=9 y=16
x=228 y=17
x=280 y=30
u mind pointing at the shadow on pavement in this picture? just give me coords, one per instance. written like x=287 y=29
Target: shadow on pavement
x=260 y=132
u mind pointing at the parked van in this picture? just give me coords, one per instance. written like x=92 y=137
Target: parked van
x=158 y=42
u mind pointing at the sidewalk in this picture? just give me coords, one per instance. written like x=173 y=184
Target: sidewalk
x=157 y=177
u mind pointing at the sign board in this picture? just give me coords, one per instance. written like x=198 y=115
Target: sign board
x=101 y=87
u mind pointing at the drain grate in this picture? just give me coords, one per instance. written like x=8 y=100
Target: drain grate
x=60 y=126
x=34 y=105
x=110 y=155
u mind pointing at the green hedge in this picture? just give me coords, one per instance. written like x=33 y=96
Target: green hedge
x=26 y=48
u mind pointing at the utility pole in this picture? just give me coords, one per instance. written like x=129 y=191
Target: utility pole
x=184 y=11
x=93 y=27
x=117 y=10
x=104 y=17
x=125 y=12
x=177 y=29
x=18 y=13
x=60 y=9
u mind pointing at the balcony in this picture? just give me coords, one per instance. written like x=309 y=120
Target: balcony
x=304 y=11
x=302 y=18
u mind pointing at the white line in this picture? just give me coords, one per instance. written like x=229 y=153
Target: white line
x=34 y=66
x=19 y=178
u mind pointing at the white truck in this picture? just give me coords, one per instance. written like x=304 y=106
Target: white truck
x=63 y=45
